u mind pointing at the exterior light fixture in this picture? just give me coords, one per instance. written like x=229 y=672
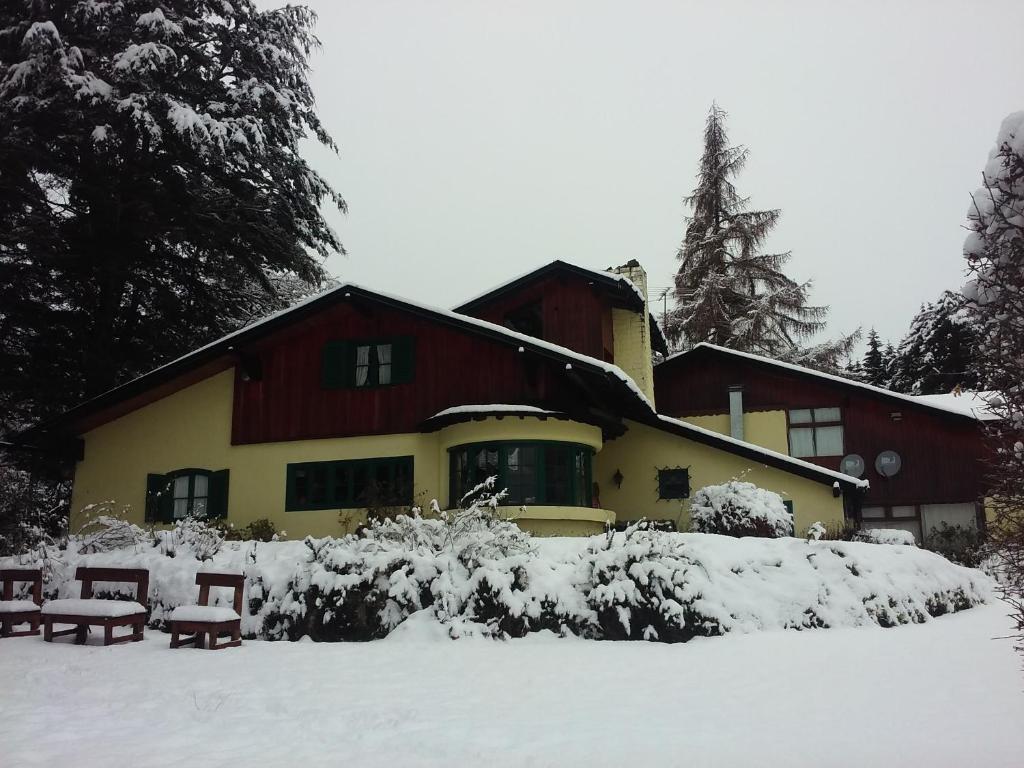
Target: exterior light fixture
x=617 y=478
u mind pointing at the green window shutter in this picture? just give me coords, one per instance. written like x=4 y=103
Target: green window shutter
x=157 y=497
x=217 y=503
x=403 y=359
x=333 y=365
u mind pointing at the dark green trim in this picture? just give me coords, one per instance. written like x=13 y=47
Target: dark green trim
x=788 y=504
x=577 y=496
x=341 y=479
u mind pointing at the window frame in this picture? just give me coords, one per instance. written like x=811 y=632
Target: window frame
x=351 y=498
x=813 y=425
x=340 y=362
x=160 y=494
x=662 y=482
x=580 y=487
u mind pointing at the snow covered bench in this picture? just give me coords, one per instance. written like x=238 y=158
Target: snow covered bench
x=14 y=612
x=206 y=619
x=87 y=611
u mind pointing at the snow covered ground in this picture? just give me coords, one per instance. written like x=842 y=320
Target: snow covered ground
x=942 y=693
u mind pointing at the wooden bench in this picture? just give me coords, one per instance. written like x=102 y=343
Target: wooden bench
x=14 y=612
x=90 y=612
x=206 y=619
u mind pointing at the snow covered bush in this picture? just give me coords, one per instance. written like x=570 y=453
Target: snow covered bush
x=641 y=584
x=885 y=536
x=737 y=509
x=964 y=546
x=816 y=531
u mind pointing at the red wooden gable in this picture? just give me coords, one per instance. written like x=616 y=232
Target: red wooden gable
x=574 y=312
x=451 y=367
x=942 y=454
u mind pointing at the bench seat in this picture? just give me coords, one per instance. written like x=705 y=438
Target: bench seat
x=102 y=609
x=17 y=606
x=208 y=613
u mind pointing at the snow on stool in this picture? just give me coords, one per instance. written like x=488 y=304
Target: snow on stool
x=93 y=607
x=203 y=613
x=88 y=611
x=14 y=612
x=205 y=619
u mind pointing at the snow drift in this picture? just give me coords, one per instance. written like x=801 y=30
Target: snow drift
x=640 y=584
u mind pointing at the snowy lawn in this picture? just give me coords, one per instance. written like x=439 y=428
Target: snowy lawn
x=942 y=693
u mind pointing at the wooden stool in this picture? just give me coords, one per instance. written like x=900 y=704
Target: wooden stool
x=14 y=612
x=89 y=612
x=206 y=619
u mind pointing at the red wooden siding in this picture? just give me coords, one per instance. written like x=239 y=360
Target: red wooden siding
x=575 y=314
x=452 y=367
x=942 y=456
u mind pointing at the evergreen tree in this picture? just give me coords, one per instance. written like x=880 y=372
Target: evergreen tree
x=938 y=353
x=727 y=291
x=873 y=364
x=151 y=189
x=995 y=255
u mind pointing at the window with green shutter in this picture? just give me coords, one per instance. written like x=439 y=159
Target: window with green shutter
x=186 y=492
x=365 y=363
x=352 y=484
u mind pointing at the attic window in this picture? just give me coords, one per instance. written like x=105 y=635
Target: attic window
x=527 y=319
x=367 y=363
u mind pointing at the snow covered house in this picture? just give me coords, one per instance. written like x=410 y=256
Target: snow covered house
x=922 y=455
x=356 y=400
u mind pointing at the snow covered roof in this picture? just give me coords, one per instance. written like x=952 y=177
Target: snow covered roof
x=461 y=413
x=631 y=294
x=936 y=405
x=975 y=404
x=756 y=452
x=229 y=343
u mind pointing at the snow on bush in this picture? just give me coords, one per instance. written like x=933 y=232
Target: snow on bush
x=885 y=536
x=737 y=508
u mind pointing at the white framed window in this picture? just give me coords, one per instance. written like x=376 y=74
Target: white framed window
x=815 y=432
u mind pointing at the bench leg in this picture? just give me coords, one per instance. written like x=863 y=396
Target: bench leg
x=81 y=633
x=48 y=630
x=5 y=628
x=140 y=631
x=108 y=634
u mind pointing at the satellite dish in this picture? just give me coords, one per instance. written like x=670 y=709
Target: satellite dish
x=852 y=465
x=888 y=463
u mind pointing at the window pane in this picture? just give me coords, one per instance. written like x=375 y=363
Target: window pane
x=199 y=486
x=318 y=484
x=301 y=481
x=673 y=483
x=361 y=483
x=579 y=481
x=800 y=417
x=829 y=441
x=180 y=508
x=904 y=511
x=557 y=489
x=801 y=442
x=181 y=487
x=342 y=478
x=383 y=363
x=401 y=485
x=826 y=414
x=460 y=475
x=521 y=474
x=485 y=464
x=872 y=512
x=362 y=366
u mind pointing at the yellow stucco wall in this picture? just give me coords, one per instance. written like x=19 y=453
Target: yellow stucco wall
x=643 y=450
x=192 y=428
x=764 y=428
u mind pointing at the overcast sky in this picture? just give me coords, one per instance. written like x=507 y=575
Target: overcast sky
x=479 y=140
